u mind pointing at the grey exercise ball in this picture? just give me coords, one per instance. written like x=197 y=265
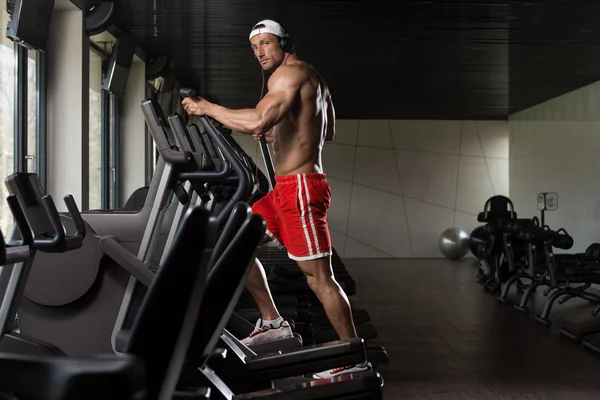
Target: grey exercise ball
x=454 y=243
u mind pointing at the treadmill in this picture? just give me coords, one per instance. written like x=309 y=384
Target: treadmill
x=16 y=258
x=140 y=280
x=73 y=300
x=146 y=370
x=237 y=326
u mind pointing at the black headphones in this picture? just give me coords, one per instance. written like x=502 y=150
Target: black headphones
x=286 y=43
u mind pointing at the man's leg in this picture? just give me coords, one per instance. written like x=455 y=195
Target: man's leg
x=321 y=280
x=258 y=287
x=305 y=201
x=270 y=327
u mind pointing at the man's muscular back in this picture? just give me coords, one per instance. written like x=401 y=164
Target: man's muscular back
x=298 y=138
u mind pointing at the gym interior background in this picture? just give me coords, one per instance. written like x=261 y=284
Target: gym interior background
x=451 y=103
x=427 y=173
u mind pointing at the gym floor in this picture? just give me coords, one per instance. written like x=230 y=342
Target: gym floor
x=448 y=339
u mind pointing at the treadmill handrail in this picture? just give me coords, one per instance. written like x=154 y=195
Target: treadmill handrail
x=48 y=232
x=80 y=230
x=241 y=157
x=15 y=252
x=244 y=184
x=212 y=152
x=59 y=232
x=165 y=149
x=177 y=127
x=207 y=176
x=262 y=184
x=21 y=222
x=264 y=147
x=60 y=242
x=196 y=138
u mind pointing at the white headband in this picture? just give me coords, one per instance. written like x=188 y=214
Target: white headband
x=270 y=26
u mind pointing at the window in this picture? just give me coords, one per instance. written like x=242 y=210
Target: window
x=40 y=123
x=114 y=154
x=7 y=97
x=95 y=139
x=112 y=136
x=32 y=111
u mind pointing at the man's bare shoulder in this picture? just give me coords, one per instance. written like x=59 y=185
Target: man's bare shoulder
x=286 y=75
x=312 y=72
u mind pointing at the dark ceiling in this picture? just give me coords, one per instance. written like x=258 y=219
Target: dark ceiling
x=385 y=59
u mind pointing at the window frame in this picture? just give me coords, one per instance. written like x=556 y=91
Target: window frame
x=110 y=175
x=111 y=151
x=42 y=123
x=21 y=108
x=104 y=147
x=21 y=54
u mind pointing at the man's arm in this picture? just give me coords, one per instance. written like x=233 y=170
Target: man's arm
x=284 y=86
x=330 y=120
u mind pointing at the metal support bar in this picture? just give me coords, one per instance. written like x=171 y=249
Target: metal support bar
x=42 y=127
x=105 y=151
x=149 y=157
x=264 y=147
x=116 y=151
x=21 y=108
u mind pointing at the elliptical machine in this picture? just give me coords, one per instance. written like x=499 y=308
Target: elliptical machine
x=39 y=229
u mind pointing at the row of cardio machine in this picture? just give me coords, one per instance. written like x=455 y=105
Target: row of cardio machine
x=519 y=257
x=146 y=303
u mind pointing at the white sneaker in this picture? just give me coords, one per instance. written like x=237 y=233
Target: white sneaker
x=267 y=333
x=332 y=373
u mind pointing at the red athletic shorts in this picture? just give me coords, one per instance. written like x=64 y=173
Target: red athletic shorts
x=296 y=215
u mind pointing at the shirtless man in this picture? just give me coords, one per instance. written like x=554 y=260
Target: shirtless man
x=297 y=116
